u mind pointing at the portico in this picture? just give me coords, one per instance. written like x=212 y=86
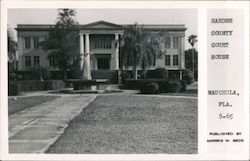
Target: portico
x=99 y=47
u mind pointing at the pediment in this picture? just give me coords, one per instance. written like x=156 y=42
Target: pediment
x=102 y=24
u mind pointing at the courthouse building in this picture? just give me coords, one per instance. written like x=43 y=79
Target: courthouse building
x=98 y=41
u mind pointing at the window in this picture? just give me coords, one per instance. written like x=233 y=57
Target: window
x=36 y=61
x=175 y=59
x=52 y=61
x=102 y=42
x=168 y=42
x=27 y=42
x=27 y=61
x=36 y=42
x=167 y=60
x=175 y=42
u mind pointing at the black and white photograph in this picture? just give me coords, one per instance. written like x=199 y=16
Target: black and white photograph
x=102 y=81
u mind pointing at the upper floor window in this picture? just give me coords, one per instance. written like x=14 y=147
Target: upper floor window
x=168 y=42
x=167 y=60
x=102 y=42
x=175 y=59
x=36 y=61
x=27 y=61
x=175 y=42
x=27 y=42
x=102 y=45
x=36 y=42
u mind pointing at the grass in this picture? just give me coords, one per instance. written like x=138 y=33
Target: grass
x=188 y=93
x=132 y=124
x=16 y=104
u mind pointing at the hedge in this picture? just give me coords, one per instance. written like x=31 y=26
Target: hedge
x=12 y=89
x=159 y=73
x=53 y=84
x=150 y=88
x=165 y=86
x=188 y=76
x=174 y=87
x=34 y=85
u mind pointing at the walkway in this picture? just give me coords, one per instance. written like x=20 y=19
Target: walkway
x=33 y=130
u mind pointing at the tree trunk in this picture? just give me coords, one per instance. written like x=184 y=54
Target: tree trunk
x=193 y=62
x=135 y=75
x=119 y=76
x=144 y=72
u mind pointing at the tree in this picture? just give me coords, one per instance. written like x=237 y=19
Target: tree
x=139 y=49
x=192 y=39
x=191 y=61
x=12 y=48
x=62 y=42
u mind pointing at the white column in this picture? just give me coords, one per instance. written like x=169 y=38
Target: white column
x=81 y=51
x=87 y=72
x=181 y=74
x=116 y=53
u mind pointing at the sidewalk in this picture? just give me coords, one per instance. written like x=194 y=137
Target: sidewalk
x=33 y=130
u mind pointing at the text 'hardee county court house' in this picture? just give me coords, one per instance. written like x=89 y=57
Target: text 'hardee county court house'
x=99 y=40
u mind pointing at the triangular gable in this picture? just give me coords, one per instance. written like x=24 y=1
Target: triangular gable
x=101 y=24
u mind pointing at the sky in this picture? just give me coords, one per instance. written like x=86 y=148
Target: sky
x=188 y=17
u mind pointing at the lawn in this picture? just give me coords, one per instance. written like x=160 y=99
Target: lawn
x=126 y=124
x=16 y=104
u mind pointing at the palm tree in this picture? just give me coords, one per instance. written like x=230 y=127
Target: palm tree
x=139 y=48
x=192 y=39
x=132 y=45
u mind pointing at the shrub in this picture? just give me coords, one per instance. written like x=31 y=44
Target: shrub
x=114 y=77
x=37 y=85
x=150 y=88
x=30 y=85
x=75 y=72
x=158 y=73
x=12 y=89
x=137 y=84
x=132 y=83
x=183 y=86
x=12 y=76
x=19 y=77
x=53 y=84
x=34 y=74
x=164 y=86
x=45 y=73
x=37 y=73
x=125 y=75
x=188 y=76
x=174 y=87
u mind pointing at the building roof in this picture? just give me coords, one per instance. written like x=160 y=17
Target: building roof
x=33 y=27
x=103 y=25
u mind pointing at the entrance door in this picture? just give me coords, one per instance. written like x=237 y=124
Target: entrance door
x=103 y=63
